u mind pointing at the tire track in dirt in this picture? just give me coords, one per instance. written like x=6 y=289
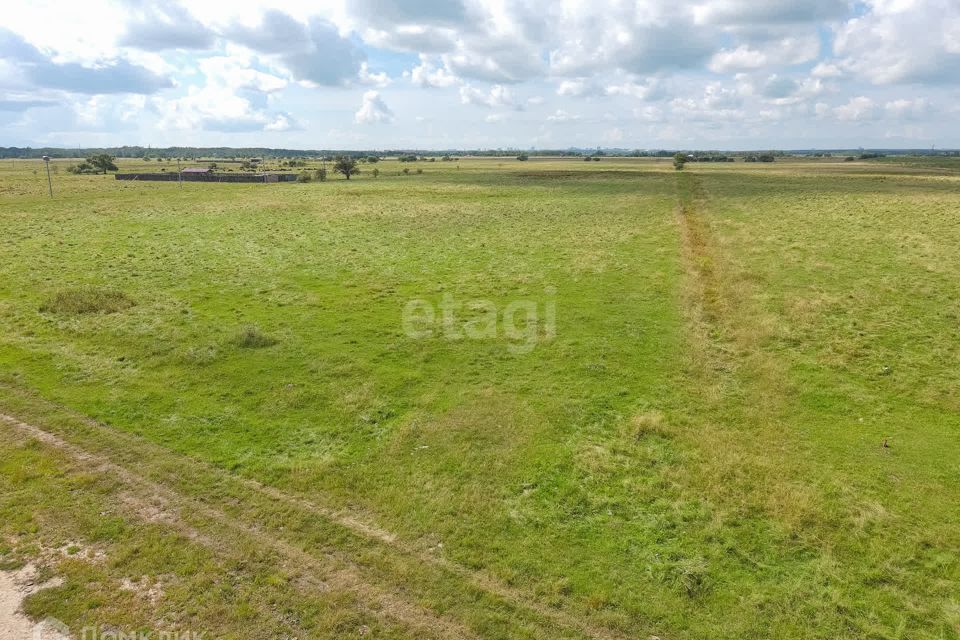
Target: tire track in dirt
x=478 y=579
x=345 y=578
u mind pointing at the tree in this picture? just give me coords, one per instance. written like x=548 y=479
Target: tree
x=679 y=159
x=523 y=157
x=376 y=172
x=373 y=159
x=346 y=165
x=102 y=162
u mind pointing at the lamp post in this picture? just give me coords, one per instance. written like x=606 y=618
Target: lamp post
x=46 y=161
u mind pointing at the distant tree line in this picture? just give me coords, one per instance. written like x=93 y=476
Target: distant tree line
x=294 y=156
x=759 y=157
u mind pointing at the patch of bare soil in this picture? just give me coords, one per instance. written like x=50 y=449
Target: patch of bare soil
x=15 y=586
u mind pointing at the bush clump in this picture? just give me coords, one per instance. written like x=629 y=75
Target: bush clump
x=87 y=300
x=251 y=337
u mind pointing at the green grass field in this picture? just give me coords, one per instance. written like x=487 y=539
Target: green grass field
x=743 y=423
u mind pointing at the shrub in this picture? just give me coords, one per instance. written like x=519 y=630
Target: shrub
x=87 y=300
x=523 y=157
x=375 y=172
x=406 y=170
x=419 y=171
x=83 y=167
x=305 y=176
x=320 y=174
x=251 y=337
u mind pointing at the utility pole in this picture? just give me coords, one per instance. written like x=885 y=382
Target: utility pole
x=46 y=161
x=179 y=174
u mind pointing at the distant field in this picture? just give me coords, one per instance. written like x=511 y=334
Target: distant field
x=716 y=403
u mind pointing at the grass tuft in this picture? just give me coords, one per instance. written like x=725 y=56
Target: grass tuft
x=691 y=576
x=199 y=355
x=649 y=424
x=87 y=300
x=251 y=337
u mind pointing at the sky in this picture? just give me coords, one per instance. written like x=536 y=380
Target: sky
x=445 y=74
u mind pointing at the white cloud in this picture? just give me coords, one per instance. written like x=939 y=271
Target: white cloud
x=237 y=73
x=313 y=51
x=280 y=123
x=426 y=75
x=649 y=90
x=379 y=79
x=216 y=108
x=373 y=110
x=499 y=96
x=578 y=87
x=764 y=12
x=562 y=116
x=856 y=109
x=903 y=41
x=826 y=70
x=904 y=109
x=639 y=38
x=792 y=50
x=164 y=26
